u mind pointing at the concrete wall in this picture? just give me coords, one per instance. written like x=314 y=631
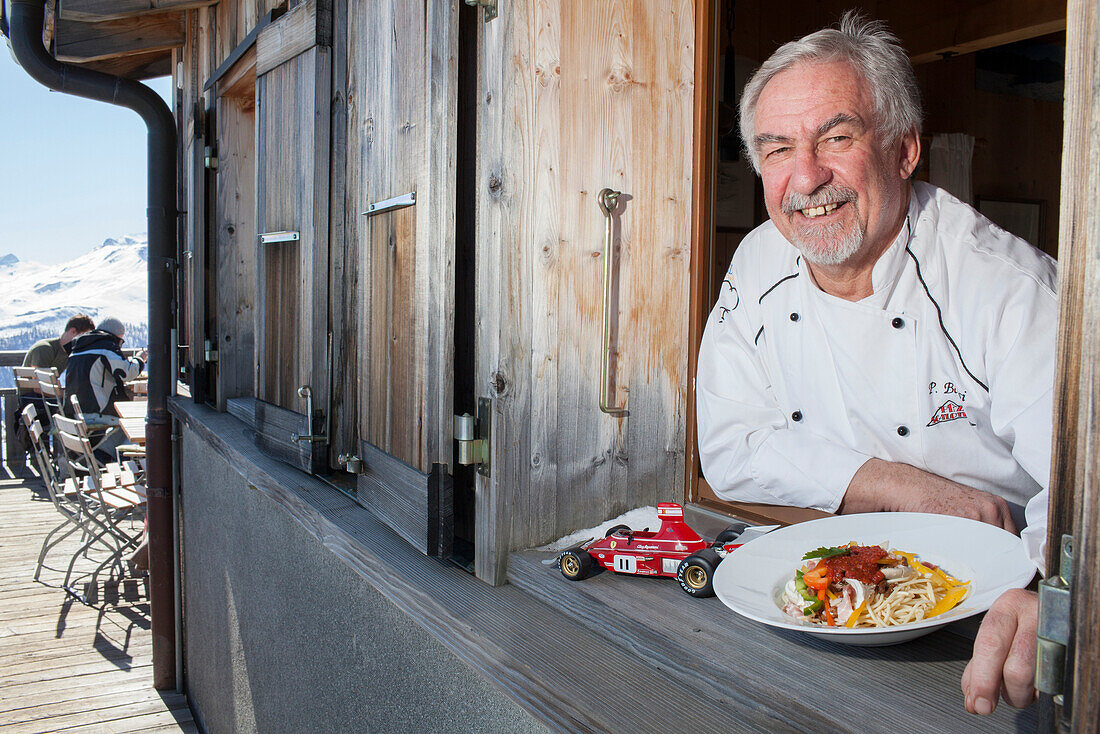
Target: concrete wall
x=282 y=636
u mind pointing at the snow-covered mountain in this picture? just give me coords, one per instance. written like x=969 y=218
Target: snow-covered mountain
x=37 y=300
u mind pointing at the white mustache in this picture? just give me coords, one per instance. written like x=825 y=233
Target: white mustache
x=827 y=194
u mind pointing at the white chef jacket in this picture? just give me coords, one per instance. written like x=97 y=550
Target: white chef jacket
x=947 y=366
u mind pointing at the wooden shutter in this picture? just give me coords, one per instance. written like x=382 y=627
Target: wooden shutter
x=292 y=96
x=402 y=57
x=575 y=97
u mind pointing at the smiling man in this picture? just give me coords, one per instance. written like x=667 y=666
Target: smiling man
x=878 y=345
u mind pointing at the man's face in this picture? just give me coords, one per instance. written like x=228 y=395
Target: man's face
x=830 y=186
x=69 y=335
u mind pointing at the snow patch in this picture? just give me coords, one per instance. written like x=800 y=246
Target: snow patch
x=639 y=518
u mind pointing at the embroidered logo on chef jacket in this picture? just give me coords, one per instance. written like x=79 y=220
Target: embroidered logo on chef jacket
x=949 y=411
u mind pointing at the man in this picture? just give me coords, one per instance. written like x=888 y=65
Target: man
x=52 y=353
x=95 y=373
x=878 y=345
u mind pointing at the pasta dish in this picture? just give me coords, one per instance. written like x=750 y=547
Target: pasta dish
x=866 y=586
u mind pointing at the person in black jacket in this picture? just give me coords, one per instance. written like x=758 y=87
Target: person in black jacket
x=95 y=374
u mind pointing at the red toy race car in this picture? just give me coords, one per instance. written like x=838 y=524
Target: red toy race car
x=674 y=550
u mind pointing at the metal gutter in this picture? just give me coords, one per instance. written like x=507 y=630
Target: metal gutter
x=26 y=20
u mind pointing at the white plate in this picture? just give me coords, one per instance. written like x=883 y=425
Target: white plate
x=750 y=580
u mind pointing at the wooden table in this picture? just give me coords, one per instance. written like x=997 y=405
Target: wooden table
x=132 y=415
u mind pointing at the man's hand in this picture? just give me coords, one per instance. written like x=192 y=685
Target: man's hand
x=1004 y=655
x=885 y=486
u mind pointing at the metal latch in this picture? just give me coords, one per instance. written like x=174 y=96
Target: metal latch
x=473 y=436
x=1055 y=595
x=210 y=354
x=209 y=157
x=353 y=464
x=489 y=5
x=305 y=391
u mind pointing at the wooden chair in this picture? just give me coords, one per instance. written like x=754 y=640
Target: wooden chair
x=25 y=379
x=49 y=384
x=65 y=494
x=114 y=503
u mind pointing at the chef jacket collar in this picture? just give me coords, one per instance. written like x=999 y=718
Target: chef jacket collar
x=887 y=270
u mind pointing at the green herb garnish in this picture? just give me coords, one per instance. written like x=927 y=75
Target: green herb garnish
x=826 y=553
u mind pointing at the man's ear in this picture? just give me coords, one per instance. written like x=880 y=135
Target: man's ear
x=909 y=153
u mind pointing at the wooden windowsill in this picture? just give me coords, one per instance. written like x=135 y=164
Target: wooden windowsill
x=611 y=652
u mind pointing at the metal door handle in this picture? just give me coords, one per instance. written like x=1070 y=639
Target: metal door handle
x=608 y=199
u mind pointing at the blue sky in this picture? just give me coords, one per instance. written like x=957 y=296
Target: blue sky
x=72 y=171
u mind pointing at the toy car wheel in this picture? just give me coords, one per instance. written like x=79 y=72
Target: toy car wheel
x=575 y=564
x=696 y=573
x=617 y=529
x=731 y=533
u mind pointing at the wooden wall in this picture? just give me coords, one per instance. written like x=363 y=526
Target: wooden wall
x=575 y=97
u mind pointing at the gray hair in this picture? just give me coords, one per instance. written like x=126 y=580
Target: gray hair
x=112 y=326
x=871 y=50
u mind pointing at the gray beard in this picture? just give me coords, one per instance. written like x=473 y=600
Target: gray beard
x=830 y=248
x=830 y=245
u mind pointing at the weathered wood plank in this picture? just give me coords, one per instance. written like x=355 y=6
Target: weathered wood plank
x=137 y=66
x=1075 y=500
x=344 y=254
x=234 y=230
x=62 y=664
x=273 y=426
x=409 y=501
x=702 y=218
x=768 y=667
x=91 y=11
x=292 y=34
x=243 y=409
x=77 y=41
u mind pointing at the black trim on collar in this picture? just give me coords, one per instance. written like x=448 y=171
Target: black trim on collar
x=777 y=284
x=939 y=313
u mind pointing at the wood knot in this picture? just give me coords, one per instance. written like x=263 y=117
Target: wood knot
x=231 y=229
x=498 y=384
x=494 y=184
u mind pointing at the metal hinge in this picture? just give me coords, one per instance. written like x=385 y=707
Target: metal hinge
x=209 y=352
x=352 y=464
x=1055 y=602
x=305 y=391
x=473 y=435
x=489 y=5
x=209 y=158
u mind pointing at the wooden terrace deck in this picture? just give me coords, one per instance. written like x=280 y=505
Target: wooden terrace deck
x=64 y=666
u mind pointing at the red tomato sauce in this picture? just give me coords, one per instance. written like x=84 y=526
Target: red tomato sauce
x=861 y=564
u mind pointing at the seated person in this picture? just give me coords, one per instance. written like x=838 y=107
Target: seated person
x=878 y=345
x=95 y=374
x=47 y=353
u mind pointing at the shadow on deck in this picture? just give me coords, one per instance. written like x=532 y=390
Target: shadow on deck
x=67 y=666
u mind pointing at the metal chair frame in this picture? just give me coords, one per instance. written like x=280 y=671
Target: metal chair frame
x=111 y=498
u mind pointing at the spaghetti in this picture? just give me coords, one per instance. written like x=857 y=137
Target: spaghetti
x=867 y=586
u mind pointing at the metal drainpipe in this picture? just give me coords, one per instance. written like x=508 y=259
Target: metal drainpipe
x=25 y=33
